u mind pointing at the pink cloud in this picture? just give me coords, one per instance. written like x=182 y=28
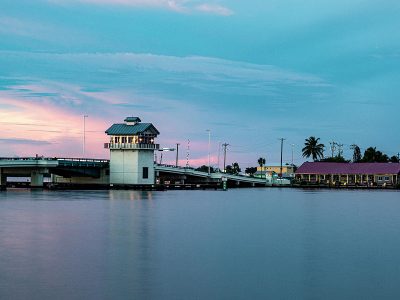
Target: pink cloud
x=55 y=131
x=175 y=5
x=183 y=6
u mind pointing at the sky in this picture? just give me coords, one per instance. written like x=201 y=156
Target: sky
x=249 y=71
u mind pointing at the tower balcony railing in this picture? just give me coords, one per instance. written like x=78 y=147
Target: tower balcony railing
x=124 y=146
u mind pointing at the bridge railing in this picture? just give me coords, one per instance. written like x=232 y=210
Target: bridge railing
x=27 y=158
x=92 y=160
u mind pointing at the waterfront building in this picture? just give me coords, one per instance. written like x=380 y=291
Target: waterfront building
x=132 y=145
x=369 y=174
x=287 y=171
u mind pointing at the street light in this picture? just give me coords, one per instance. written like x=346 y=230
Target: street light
x=209 y=143
x=166 y=150
x=84 y=133
x=177 y=154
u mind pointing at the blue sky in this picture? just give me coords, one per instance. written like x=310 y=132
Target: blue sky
x=252 y=72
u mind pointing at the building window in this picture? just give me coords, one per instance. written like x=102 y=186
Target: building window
x=380 y=178
x=130 y=140
x=123 y=140
x=117 y=139
x=145 y=172
x=387 y=178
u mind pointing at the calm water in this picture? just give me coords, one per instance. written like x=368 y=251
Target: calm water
x=240 y=244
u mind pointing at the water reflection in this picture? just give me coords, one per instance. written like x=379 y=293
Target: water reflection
x=240 y=244
x=131 y=242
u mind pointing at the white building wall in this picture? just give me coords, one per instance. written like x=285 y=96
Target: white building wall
x=126 y=166
x=146 y=160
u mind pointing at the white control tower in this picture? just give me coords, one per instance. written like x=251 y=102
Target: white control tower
x=132 y=145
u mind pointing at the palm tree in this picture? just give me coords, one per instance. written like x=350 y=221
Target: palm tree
x=312 y=148
x=261 y=162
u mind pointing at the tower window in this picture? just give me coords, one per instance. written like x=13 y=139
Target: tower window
x=145 y=172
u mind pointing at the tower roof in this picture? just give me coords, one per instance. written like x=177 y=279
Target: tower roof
x=133 y=119
x=138 y=128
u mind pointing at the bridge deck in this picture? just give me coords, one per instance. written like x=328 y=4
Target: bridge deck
x=214 y=176
x=50 y=162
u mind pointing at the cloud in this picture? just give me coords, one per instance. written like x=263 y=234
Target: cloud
x=136 y=75
x=24 y=142
x=214 y=9
x=46 y=102
x=182 y=6
x=176 y=5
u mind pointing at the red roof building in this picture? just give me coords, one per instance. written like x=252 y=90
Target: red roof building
x=377 y=174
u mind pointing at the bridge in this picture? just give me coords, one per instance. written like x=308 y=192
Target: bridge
x=38 y=167
x=190 y=175
x=84 y=171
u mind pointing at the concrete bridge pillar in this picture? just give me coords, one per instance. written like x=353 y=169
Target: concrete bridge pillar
x=36 y=179
x=3 y=180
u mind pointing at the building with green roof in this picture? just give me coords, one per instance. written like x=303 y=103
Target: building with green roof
x=132 y=145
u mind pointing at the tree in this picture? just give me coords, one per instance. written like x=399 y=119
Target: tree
x=356 y=153
x=204 y=168
x=261 y=162
x=313 y=148
x=236 y=168
x=394 y=159
x=337 y=158
x=233 y=169
x=228 y=169
x=251 y=170
x=373 y=155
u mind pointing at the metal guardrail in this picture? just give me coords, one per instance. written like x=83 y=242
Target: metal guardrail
x=214 y=175
x=52 y=162
x=26 y=158
x=92 y=160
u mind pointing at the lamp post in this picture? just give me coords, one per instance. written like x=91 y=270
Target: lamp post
x=225 y=145
x=164 y=149
x=281 y=169
x=84 y=133
x=209 y=143
x=177 y=152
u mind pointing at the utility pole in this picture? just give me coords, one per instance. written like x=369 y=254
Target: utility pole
x=281 y=139
x=177 y=151
x=333 y=147
x=225 y=145
x=340 y=146
x=292 y=154
x=84 y=134
x=219 y=153
x=209 y=143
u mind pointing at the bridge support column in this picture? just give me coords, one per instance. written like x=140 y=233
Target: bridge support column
x=3 y=180
x=36 y=179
